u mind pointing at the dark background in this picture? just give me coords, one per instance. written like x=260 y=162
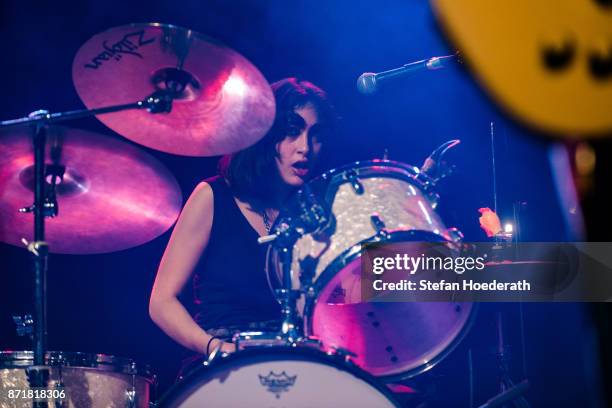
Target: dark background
x=98 y=303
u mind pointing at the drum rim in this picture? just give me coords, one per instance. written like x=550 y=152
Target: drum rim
x=371 y=169
x=12 y=359
x=350 y=255
x=400 y=167
x=173 y=395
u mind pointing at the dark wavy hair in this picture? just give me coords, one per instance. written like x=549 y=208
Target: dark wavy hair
x=252 y=173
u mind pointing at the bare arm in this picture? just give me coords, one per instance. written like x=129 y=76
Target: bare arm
x=188 y=241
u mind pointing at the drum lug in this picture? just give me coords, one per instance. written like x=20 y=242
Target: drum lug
x=131 y=398
x=351 y=177
x=380 y=226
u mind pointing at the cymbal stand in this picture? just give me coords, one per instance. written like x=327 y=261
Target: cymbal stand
x=38 y=375
x=158 y=102
x=45 y=205
x=283 y=239
x=509 y=391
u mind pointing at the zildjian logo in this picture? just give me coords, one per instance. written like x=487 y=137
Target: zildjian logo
x=127 y=45
x=277 y=383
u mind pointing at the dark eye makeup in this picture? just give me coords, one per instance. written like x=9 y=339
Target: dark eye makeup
x=294 y=124
x=319 y=132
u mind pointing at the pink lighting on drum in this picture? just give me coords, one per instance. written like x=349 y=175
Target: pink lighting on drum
x=425 y=212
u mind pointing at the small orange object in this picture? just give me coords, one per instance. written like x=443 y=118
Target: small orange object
x=489 y=222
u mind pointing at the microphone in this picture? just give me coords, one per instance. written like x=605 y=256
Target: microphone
x=368 y=82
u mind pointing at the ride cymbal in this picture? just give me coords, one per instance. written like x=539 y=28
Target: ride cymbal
x=112 y=196
x=222 y=102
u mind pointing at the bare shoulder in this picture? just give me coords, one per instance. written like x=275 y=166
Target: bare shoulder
x=202 y=193
x=200 y=205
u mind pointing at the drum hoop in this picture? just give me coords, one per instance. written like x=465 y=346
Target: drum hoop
x=372 y=167
x=190 y=382
x=350 y=255
x=77 y=359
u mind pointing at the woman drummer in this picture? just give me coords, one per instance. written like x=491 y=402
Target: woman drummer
x=215 y=237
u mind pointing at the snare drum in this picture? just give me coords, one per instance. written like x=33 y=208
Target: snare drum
x=374 y=201
x=89 y=380
x=278 y=377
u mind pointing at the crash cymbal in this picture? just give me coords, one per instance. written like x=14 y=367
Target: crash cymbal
x=226 y=104
x=113 y=196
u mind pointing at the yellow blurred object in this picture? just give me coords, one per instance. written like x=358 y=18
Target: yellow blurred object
x=548 y=62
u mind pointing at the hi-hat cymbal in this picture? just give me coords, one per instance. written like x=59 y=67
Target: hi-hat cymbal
x=226 y=105
x=113 y=196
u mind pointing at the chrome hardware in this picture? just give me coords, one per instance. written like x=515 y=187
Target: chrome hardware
x=379 y=225
x=351 y=177
x=455 y=234
x=131 y=398
x=341 y=353
x=25 y=325
x=35 y=247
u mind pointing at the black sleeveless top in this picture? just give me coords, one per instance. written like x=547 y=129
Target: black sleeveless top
x=230 y=284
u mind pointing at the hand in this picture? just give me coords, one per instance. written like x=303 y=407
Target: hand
x=228 y=347
x=489 y=222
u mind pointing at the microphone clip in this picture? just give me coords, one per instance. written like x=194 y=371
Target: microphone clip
x=434 y=168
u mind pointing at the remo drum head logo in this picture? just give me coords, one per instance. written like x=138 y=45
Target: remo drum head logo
x=277 y=383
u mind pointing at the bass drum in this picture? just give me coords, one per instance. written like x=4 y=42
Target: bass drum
x=271 y=377
x=373 y=201
x=89 y=380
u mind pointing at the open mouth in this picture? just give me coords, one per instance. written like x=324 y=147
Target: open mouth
x=301 y=168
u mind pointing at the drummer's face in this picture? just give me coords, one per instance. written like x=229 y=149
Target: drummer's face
x=299 y=150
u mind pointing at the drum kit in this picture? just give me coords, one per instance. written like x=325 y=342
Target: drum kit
x=177 y=91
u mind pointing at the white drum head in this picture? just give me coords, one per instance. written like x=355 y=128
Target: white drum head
x=278 y=377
